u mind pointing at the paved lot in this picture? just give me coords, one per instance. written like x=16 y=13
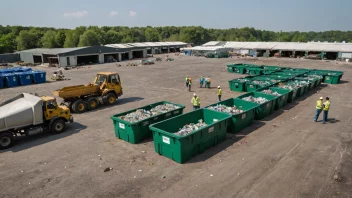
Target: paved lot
x=284 y=155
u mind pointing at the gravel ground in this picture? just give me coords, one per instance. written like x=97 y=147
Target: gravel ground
x=284 y=155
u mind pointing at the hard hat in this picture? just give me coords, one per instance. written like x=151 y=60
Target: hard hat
x=218 y=87
x=321 y=98
x=194 y=94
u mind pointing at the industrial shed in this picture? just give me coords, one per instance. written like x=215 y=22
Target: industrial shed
x=325 y=50
x=140 y=50
x=69 y=56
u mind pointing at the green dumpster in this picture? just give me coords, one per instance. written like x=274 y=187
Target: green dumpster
x=138 y=131
x=264 y=109
x=238 y=84
x=312 y=81
x=241 y=120
x=257 y=84
x=240 y=69
x=254 y=71
x=302 y=84
x=182 y=148
x=318 y=78
x=273 y=68
x=230 y=68
x=281 y=99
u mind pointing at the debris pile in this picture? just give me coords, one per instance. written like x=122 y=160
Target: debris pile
x=141 y=114
x=260 y=83
x=271 y=92
x=259 y=100
x=189 y=128
x=222 y=108
x=242 y=80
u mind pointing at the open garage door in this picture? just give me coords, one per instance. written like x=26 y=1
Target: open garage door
x=137 y=54
x=164 y=50
x=111 y=58
x=37 y=59
x=87 y=60
x=124 y=56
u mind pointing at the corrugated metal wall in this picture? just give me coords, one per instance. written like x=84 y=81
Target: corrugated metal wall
x=9 y=58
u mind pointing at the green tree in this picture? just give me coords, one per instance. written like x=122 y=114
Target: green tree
x=48 y=40
x=69 y=40
x=7 y=43
x=113 y=37
x=151 y=34
x=89 y=38
x=26 y=40
x=60 y=38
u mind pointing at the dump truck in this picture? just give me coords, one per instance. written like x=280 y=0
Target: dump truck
x=105 y=89
x=28 y=114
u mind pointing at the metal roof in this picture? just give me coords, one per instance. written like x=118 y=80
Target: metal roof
x=146 y=44
x=54 y=51
x=294 y=46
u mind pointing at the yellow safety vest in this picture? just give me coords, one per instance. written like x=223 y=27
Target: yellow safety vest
x=219 y=92
x=319 y=105
x=196 y=101
x=326 y=105
x=186 y=79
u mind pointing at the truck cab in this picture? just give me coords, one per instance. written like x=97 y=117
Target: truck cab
x=53 y=110
x=109 y=82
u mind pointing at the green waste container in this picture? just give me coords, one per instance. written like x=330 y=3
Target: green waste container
x=183 y=148
x=240 y=69
x=134 y=133
x=239 y=84
x=242 y=120
x=281 y=78
x=273 y=68
x=254 y=71
x=264 y=109
x=230 y=68
x=318 y=78
x=312 y=81
x=282 y=99
x=303 y=87
x=257 y=84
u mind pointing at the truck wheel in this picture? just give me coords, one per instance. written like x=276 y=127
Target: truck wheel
x=110 y=98
x=58 y=126
x=6 y=140
x=79 y=106
x=93 y=103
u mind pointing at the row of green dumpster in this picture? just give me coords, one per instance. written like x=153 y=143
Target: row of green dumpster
x=182 y=148
x=328 y=76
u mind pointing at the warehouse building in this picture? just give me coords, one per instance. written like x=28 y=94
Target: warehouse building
x=322 y=50
x=140 y=50
x=97 y=54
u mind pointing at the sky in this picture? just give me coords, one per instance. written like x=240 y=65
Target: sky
x=275 y=15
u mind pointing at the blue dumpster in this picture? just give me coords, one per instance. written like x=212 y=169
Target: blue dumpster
x=24 y=78
x=1 y=81
x=39 y=76
x=5 y=71
x=10 y=80
x=20 y=69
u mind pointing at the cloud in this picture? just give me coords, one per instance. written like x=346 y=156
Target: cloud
x=77 y=14
x=113 y=13
x=132 y=13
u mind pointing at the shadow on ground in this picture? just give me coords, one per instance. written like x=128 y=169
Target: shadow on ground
x=24 y=142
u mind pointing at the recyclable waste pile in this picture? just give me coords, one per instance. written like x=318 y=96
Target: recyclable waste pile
x=291 y=86
x=242 y=80
x=300 y=83
x=260 y=83
x=259 y=100
x=315 y=76
x=269 y=91
x=141 y=114
x=223 y=108
x=189 y=128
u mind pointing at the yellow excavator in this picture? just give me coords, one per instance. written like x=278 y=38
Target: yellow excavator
x=105 y=90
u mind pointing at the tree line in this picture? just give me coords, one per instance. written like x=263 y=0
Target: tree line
x=13 y=38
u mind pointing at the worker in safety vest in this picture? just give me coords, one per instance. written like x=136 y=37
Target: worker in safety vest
x=326 y=109
x=319 y=108
x=201 y=81
x=219 y=93
x=195 y=101
x=189 y=84
x=186 y=81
